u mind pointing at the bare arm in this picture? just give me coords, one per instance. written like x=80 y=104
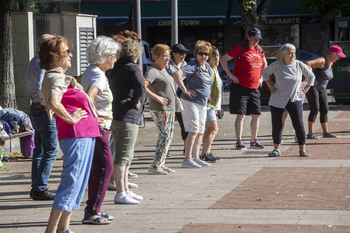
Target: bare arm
x=262 y=68
x=92 y=92
x=316 y=63
x=61 y=112
x=177 y=76
x=224 y=63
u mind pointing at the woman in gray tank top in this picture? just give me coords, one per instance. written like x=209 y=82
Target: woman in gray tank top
x=317 y=95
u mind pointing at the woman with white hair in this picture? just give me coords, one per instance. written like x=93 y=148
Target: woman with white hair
x=102 y=54
x=287 y=94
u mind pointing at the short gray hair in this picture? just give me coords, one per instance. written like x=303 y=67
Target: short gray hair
x=100 y=48
x=284 y=48
x=131 y=49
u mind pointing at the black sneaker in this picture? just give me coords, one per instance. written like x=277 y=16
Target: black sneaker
x=43 y=195
x=31 y=193
x=209 y=158
x=240 y=145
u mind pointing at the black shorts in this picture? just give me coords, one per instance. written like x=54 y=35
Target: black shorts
x=244 y=101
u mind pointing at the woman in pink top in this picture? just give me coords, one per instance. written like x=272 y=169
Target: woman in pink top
x=77 y=127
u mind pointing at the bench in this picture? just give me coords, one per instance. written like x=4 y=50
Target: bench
x=17 y=135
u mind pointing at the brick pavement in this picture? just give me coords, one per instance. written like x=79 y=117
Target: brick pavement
x=315 y=189
x=293 y=188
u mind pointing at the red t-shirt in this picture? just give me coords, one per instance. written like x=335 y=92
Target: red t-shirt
x=248 y=68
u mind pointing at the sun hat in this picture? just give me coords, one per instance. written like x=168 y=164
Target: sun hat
x=179 y=48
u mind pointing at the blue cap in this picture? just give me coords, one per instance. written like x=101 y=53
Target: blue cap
x=255 y=32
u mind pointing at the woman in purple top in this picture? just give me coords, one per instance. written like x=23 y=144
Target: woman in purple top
x=77 y=127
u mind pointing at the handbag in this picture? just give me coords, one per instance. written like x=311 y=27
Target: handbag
x=178 y=105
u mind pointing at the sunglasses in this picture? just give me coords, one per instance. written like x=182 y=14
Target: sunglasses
x=202 y=53
x=67 y=51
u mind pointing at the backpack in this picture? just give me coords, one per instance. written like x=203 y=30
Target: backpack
x=243 y=47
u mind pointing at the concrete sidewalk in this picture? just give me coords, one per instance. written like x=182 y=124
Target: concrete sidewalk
x=245 y=192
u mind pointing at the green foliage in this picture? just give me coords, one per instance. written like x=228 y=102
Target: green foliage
x=248 y=4
x=328 y=9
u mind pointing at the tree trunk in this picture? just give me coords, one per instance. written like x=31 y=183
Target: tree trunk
x=257 y=12
x=7 y=82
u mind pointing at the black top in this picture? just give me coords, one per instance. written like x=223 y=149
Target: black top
x=128 y=88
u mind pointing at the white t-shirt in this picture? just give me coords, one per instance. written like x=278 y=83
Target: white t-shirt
x=94 y=76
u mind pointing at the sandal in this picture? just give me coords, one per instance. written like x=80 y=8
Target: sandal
x=304 y=153
x=107 y=216
x=275 y=153
x=96 y=221
x=312 y=136
x=329 y=135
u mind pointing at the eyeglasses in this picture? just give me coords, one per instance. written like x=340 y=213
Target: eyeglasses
x=203 y=53
x=113 y=55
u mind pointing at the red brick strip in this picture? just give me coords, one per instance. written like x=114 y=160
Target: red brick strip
x=233 y=228
x=291 y=188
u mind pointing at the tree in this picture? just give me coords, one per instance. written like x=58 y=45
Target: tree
x=7 y=81
x=327 y=10
x=253 y=12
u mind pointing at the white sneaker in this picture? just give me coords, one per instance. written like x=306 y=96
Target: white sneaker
x=132 y=185
x=189 y=163
x=134 y=196
x=201 y=163
x=123 y=198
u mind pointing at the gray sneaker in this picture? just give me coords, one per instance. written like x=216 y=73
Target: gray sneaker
x=201 y=163
x=156 y=171
x=189 y=163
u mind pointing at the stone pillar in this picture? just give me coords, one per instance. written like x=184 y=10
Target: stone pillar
x=23 y=51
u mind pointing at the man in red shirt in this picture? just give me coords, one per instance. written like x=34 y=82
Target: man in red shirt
x=245 y=81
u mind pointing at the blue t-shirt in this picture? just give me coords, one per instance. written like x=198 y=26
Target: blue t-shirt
x=198 y=80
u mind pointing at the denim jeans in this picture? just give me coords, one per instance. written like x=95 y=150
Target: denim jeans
x=46 y=148
x=77 y=159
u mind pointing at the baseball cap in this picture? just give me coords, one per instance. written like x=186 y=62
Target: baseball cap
x=336 y=49
x=255 y=32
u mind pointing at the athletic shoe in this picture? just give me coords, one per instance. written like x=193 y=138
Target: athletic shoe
x=132 y=175
x=132 y=185
x=123 y=198
x=168 y=170
x=111 y=187
x=189 y=163
x=156 y=171
x=201 y=163
x=240 y=145
x=134 y=196
x=209 y=157
x=256 y=144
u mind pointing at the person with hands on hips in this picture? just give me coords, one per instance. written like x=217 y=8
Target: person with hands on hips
x=194 y=98
x=160 y=89
x=77 y=126
x=287 y=94
x=246 y=79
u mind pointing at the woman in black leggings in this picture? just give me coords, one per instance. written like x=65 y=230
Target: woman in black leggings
x=317 y=95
